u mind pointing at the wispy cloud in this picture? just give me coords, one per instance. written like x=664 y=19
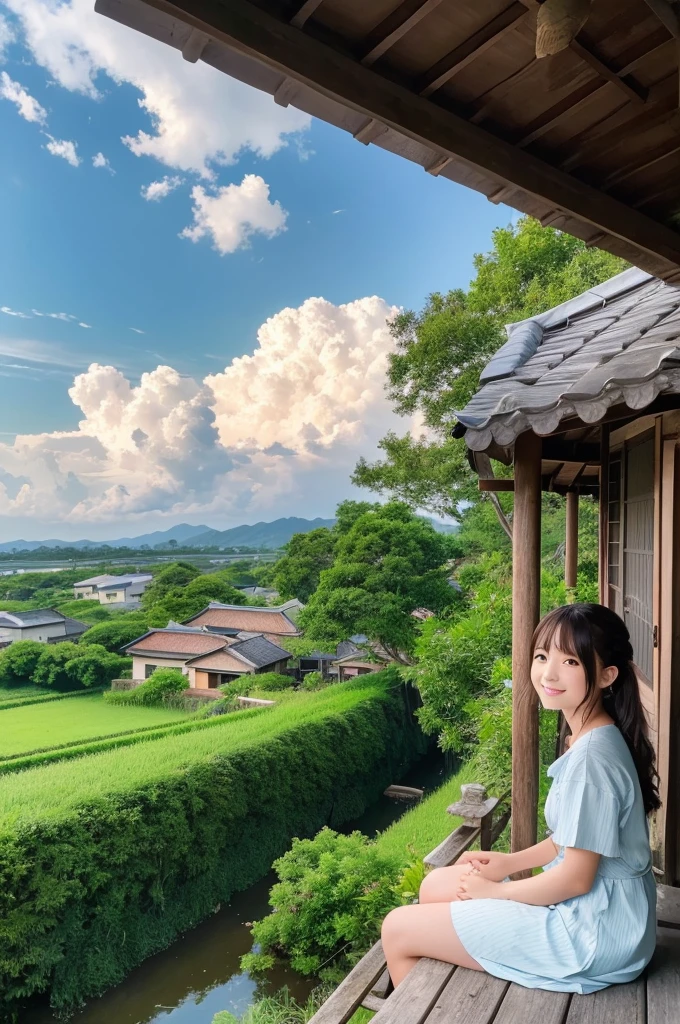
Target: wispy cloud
x=99 y=160
x=80 y=324
x=27 y=106
x=137 y=330
x=14 y=312
x=63 y=148
x=38 y=353
x=338 y=211
x=160 y=189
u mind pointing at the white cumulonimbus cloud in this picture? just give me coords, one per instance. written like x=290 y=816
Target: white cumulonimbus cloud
x=198 y=116
x=63 y=148
x=275 y=433
x=157 y=190
x=234 y=213
x=27 y=105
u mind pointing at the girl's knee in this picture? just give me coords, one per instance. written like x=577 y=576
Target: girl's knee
x=393 y=926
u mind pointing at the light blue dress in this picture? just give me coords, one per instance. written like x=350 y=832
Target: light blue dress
x=591 y=941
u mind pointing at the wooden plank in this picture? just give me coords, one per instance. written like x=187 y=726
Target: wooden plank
x=526 y=577
x=618 y=1004
x=668 y=724
x=657 y=558
x=668 y=906
x=451 y=848
x=663 y=979
x=571 y=104
x=396 y=25
x=411 y=1002
x=305 y=12
x=603 y=519
x=473 y=47
x=371 y=1002
x=471 y=997
x=533 y=1006
x=349 y=994
x=243 y=26
x=650 y=161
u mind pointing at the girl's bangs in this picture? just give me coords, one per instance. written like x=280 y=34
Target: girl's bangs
x=556 y=628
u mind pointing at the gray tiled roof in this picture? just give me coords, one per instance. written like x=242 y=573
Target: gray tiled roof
x=259 y=651
x=36 y=617
x=617 y=343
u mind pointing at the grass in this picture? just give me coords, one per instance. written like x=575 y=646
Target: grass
x=44 y=725
x=54 y=789
x=40 y=695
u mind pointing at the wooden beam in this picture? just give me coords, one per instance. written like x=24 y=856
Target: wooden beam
x=496 y=485
x=566 y=107
x=603 y=518
x=305 y=12
x=526 y=581
x=632 y=90
x=396 y=25
x=473 y=47
x=635 y=168
x=554 y=450
x=666 y=15
x=244 y=27
x=571 y=541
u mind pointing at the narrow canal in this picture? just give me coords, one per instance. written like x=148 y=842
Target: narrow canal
x=199 y=974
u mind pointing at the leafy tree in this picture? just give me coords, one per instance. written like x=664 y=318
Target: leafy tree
x=177 y=574
x=271 y=681
x=117 y=632
x=182 y=602
x=387 y=564
x=441 y=350
x=18 y=662
x=307 y=555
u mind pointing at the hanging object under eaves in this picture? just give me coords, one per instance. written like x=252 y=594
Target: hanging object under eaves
x=558 y=22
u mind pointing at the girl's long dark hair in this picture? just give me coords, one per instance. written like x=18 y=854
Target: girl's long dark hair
x=587 y=630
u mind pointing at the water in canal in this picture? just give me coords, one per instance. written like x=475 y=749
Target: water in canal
x=199 y=974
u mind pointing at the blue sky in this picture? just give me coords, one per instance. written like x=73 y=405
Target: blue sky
x=276 y=209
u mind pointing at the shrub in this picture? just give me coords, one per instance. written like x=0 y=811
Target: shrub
x=314 y=681
x=18 y=662
x=272 y=681
x=333 y=893
x=164 y=682
x=117 y=632
x=69 y=666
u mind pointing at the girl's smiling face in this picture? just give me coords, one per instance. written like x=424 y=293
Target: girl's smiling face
x=560 y=680
x=558 y=677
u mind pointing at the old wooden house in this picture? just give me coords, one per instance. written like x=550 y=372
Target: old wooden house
x=568 y=112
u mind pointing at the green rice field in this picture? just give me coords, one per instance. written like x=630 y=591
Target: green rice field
x=53 y=789
x=52 y=724
x=16 y=693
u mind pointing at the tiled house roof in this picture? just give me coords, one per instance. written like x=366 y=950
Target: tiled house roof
x=617 y=343
x=252 y=620
x=181 y=644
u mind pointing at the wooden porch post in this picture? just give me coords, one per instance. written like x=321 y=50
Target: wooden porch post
x=526 y=583
x=571 y=541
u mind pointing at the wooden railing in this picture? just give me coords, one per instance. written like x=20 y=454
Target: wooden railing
x=368 y=984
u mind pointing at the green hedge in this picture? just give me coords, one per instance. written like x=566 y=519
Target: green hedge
x=86 y=894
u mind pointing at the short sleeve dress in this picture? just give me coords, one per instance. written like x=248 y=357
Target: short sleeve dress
x=606 y=936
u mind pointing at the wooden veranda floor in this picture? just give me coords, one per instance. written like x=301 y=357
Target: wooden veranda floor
x=437 y=993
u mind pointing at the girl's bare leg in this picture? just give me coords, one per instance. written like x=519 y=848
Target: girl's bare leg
x=409 y=933
x=441 y=885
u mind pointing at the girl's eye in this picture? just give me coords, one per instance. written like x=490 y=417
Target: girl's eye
x=537 y=656
x=572 y=661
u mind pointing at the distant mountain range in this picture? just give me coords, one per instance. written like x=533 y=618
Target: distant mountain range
x=259 y=535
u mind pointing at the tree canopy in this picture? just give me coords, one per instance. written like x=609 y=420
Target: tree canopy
x=388 y=563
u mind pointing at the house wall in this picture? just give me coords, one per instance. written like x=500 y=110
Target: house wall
x=41 y=633
x=88 y=593
x=660 y=690
x=203 y=679
x=139 y=665
x=112 y=596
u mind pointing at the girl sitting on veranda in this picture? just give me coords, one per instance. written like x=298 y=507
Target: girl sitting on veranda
x=588 y=919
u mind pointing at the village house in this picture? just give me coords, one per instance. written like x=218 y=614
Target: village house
x=110 y=590
x=42 y=624
x=207 y=659
x=231 y=619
